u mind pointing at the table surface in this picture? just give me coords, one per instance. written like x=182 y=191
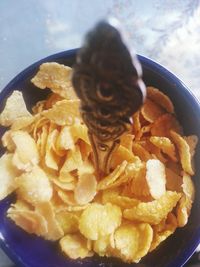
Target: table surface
x=166 y=31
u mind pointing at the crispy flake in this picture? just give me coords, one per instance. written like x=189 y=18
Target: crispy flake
x=15 y=108
x=153 y=212
x=56 y=77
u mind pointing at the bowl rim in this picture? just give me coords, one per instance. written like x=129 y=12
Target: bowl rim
x=148 y=63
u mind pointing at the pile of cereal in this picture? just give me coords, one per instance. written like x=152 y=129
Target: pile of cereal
x=49 y=164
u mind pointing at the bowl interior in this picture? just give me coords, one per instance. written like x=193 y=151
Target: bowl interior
x=31 y=251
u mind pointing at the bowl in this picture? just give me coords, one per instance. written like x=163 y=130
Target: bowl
x=31 y=251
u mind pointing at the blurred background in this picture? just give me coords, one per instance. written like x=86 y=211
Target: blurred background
x=167 y=31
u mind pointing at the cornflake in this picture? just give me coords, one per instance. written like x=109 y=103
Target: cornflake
x=49 y=164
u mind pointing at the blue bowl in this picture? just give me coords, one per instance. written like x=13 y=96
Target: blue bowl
x=31 y=251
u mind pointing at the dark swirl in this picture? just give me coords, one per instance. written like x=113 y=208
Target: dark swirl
x=106 y=81
x=108 y=84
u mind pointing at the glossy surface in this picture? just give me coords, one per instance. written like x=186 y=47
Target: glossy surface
x=30 y=251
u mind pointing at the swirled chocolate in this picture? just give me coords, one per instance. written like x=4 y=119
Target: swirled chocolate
x=108 y=83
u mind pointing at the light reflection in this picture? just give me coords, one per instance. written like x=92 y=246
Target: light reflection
x=2 y=237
